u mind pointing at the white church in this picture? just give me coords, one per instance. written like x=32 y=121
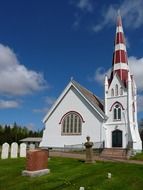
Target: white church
x=78 y=113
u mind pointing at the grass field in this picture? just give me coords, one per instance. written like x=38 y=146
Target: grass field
x=138 y=156
x=70 y=174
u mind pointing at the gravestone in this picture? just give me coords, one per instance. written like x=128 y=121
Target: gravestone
x=22 y=150
x=109 y=175
x=14 y=150
x=81 y=188
x=5 y=151
x=32 y=146
x=36 y=163
x=89 y=152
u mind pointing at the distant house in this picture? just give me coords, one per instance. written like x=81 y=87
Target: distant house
x=35 y=141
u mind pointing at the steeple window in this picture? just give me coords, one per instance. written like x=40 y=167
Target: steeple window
x=121 y=91
x=112 y=92
x=117 y=112
x=116 y=90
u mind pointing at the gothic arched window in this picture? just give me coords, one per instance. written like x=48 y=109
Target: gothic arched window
x=112 y=92
x=117 y=112
x=116 y=90
x=72 y=124
x=121 y=91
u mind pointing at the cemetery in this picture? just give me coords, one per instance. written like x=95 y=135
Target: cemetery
x=71 y=174
x=19 y=168
x=43 y=164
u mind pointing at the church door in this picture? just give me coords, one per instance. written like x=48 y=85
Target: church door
x=117 y=138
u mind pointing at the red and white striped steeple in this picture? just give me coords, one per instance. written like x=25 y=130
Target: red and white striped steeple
x=120 y=60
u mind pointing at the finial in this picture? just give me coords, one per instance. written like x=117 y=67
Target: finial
x=71 y=78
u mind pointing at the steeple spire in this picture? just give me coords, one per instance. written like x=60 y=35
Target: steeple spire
x=120 y=60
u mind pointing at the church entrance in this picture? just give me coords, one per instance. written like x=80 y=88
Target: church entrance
x=117 y=138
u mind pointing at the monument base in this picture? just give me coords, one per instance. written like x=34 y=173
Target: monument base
x=35 y=173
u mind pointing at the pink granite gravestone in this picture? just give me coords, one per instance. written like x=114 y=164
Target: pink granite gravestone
x=36 y=163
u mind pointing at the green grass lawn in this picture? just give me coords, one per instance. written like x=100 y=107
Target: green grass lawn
x=70 y=174
x=138 y=156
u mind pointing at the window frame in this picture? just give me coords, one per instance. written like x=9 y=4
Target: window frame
x=71 y=124
x=117 y=116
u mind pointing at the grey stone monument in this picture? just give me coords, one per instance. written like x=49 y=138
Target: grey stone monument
x=89 y=152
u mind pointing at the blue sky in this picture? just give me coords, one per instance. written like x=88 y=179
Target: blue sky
x=43 y=43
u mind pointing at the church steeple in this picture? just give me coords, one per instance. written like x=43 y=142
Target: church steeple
x=120 y=60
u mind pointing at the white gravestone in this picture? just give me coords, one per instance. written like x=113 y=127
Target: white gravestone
x=109 y=175
x=5 y=151
x=22 y=150
x=32 y=146
x=14 y=150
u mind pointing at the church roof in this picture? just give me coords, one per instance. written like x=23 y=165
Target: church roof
x=31 y=139
x=92 y=98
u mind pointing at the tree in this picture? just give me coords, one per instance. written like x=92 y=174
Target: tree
x=15 y=133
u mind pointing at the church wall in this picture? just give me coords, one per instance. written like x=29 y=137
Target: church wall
x=72 y=101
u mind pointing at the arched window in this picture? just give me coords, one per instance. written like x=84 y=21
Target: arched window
x=117 y=112
x=121 y=91
x=112 y=92
x=72 y=124
x=116 y=90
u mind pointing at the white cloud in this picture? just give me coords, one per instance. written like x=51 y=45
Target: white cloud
x=85 y=5
x=131 y=12
x=136 y=66
x=16 y=79
x=100 y=75
x=50 y=100
x=108 y=18
x=6 y=104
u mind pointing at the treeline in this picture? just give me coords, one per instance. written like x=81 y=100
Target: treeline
x=15 y=133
